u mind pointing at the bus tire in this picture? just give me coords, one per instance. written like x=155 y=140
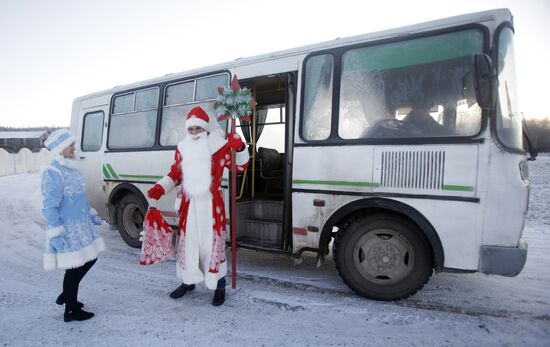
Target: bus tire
x=130 y=214
x=383 y=256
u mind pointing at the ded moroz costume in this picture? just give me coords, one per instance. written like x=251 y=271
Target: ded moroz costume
x=199 y=162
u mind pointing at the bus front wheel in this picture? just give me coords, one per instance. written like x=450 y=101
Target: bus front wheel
x=383 y=256
x=130 y=214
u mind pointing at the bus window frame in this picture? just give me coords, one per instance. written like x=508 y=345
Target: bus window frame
x=84 y=130
x=111 y=114
x=194 y=102
x=166 y=86
x=337 y=53
x=493 y=115
x=161 y=85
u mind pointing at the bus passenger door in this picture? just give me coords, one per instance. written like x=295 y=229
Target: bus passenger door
x=91 y=146
x=263 y=198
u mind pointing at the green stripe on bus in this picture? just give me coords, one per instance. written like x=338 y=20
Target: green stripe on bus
x=111 y=170
x=141 y=176
x=458 y=188
x=106 y=172
x=337 y=183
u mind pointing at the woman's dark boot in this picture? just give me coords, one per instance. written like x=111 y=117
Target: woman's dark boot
x=181 y=290
x=61 y=301
x=76 y=314
x=219 y=297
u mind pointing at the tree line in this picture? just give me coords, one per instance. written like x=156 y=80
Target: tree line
x=539 y=133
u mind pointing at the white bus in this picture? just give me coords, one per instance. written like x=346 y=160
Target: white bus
x=403 y=147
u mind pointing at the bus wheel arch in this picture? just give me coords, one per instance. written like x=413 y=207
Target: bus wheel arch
x=127 y=207
x=382 y=205
x=393 y=225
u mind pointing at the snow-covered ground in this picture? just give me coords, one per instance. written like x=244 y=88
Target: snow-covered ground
x=278 y=302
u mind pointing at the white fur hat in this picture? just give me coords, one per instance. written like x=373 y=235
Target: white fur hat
x=59 y=140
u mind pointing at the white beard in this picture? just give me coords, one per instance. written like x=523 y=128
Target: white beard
x=196 y=165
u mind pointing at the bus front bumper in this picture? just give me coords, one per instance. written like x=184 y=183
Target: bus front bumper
x=503 y=261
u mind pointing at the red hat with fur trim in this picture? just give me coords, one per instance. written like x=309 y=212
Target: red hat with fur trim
x=197 y=117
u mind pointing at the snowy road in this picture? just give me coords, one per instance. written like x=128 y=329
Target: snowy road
x=277 y=302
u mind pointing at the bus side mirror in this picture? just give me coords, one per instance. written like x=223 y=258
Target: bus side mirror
x=483 y=80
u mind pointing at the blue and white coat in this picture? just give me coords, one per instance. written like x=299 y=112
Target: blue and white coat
x=71 y=236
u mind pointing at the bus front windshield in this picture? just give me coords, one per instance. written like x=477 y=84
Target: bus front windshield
x=508 y=120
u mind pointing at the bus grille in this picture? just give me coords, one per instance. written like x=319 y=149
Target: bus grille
x=413 y=169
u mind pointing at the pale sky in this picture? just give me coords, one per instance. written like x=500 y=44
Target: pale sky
x=53 y=51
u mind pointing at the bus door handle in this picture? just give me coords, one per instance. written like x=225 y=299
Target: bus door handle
x=82 y=157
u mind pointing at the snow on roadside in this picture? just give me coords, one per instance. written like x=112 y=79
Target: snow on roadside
x=277 y=301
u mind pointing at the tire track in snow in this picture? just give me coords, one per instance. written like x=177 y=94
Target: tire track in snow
x=407 y=303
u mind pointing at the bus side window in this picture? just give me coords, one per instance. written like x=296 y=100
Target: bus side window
x=318 y=97
x=428 y=75
x=207 y=88
x=172 y=128
x=92 y=131
x=134 y=119
x=181 y=97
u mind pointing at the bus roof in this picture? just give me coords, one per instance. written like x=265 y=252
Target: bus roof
x=500 y=15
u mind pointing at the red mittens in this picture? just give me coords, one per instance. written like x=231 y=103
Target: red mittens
x=156 y=192
x=234 y=141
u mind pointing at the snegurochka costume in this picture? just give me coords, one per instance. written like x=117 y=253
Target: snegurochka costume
x=72 y=242
x=70 y=222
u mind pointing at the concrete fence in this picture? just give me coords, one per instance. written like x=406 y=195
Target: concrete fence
x=24 y=161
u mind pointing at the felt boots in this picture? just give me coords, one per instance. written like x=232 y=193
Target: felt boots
x=181 y=290
x=76 y=314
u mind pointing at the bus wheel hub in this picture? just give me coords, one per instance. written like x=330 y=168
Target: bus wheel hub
x=384 y=256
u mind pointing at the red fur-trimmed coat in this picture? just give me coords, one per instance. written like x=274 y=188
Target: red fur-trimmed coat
x=202 y=220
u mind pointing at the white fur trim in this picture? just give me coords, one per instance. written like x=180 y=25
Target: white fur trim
x=177 y=202
x=195 y=275
x=198 y=243
x=216 y=141
x=242 y=156
x=53 y=232
x=67 y=162
x=53 y=139
x=167 y=184
x=190 y=275
x=196 y=121
x=75 y=259
x=211 y=279
x=50 y=262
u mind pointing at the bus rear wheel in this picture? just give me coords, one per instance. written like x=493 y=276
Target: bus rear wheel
x=130 y=215
x=383 y=256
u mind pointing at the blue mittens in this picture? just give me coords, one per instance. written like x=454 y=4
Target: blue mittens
x=95 y=218
x=58 y=242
